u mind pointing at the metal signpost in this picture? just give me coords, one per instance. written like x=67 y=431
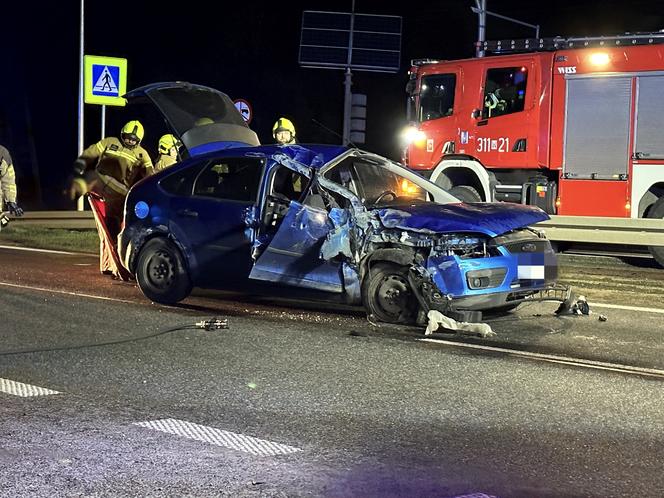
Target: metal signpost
x=350 y=41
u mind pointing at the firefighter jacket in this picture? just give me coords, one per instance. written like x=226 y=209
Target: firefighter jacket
x=164 y=161
x=7 y=178
x=117 y=166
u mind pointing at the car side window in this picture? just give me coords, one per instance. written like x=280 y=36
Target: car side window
x=180 y=182
x=288 y=184
x=504 y=91
x=342 y=174
x=234 y=179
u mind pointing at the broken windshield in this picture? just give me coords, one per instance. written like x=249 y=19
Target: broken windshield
x=379 y=182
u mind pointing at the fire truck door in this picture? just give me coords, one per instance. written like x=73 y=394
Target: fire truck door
x=501 y=129
x=596 y=149
x=648 y=153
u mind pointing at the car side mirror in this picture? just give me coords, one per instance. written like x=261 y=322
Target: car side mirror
x=476 y=114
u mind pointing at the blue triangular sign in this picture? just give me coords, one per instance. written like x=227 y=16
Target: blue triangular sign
x=105 y=84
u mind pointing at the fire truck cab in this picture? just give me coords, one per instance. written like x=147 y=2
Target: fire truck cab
x=574 y=126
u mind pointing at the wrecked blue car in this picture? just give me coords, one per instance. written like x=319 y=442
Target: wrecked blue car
x=327 y=218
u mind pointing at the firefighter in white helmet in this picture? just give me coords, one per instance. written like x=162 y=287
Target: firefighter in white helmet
x=168 y=152
x=116 y=165
x=283 y=132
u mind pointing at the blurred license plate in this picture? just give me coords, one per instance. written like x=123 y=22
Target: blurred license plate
x=531 y=272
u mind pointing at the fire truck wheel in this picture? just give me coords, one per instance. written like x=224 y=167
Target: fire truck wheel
x=657 y=211
x=466 y=193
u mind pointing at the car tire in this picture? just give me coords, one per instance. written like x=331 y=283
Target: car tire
x=657 y=212
x=387 y=294
x=466 y=193
x=161 y=273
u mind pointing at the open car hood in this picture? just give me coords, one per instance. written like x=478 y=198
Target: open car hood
x=204 y=119
x=491 y=219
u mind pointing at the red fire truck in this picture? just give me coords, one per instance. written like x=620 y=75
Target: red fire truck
x=574 y=126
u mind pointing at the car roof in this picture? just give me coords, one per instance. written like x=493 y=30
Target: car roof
x=311 y=155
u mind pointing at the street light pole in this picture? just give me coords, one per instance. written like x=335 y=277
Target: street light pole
x=480 y=10
x=81 y=77
x=481 y=29
x=348 y=81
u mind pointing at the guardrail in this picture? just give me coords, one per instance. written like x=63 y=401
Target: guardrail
x=581 y=229
x=595 y=230
x=76 y=220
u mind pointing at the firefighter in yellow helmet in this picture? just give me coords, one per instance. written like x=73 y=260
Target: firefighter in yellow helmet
x=168 y=152
x=113 y=165
x=8 y=184
x=283 y=132
x=203 y=121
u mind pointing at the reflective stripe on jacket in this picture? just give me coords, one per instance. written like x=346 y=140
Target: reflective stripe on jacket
x=7 y=177
x=118 y=167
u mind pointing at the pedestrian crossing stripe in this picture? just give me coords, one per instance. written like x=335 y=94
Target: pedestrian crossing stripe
x=106 y=80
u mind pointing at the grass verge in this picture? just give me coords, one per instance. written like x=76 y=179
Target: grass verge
x=58 y=239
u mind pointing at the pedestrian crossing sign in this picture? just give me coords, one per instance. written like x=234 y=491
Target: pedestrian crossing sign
x=105 y=80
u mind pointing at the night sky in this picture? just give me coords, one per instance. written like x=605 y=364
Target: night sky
x=250 y=51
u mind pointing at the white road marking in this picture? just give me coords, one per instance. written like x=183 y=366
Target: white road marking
x=248 y=444
x=625 y=307
x=24 y=390
x=578 y=362
x=32 y=249
x=54 y=291
x=476 y=495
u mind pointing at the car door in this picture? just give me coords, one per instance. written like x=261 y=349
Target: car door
x=214 y=219
x=293 y=239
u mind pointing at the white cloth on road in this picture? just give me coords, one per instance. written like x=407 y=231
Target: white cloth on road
x=438 y=320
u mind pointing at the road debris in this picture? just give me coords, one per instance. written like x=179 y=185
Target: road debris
x=574 y=305
x=213 y=324
x=438 y=320
x=602 y=318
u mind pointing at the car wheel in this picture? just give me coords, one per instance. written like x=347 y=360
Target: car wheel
x=387 y=294
x=657 y=211
x=466 y=193
x=161 y=273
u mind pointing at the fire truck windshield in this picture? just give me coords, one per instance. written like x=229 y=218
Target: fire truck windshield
x=436 y=96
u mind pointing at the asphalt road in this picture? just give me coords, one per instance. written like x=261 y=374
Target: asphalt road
x=309 y=399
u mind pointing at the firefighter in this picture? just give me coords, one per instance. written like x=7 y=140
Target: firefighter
x=283 y=132
x=168 y=152
x=116 y=165
x=8 y=184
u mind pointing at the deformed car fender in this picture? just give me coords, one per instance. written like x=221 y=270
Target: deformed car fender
x=139 y=240
x=402 y=256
